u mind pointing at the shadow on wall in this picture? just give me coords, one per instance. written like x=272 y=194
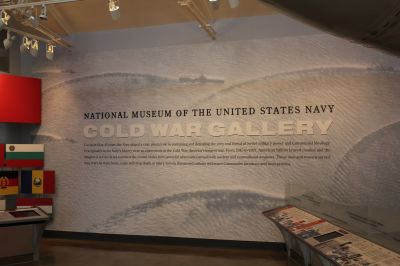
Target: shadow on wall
x=194 y=213
x=17 y=133
x=369 y=172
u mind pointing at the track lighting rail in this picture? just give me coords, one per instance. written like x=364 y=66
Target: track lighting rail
x=34 y=3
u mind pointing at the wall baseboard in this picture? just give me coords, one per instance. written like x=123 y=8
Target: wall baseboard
x=165 y=240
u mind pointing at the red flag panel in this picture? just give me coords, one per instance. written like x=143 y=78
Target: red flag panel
x=49 y=184
x=20 y=99
x=25 y=163
x=2 y=154
x=34 y=201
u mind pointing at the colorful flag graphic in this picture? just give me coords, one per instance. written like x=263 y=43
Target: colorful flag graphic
x=46 y=204
x=8 y=182
x=24 y=155
x=38 y=182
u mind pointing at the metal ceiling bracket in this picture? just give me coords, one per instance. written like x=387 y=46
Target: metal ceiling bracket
x=27 y=34
x=195 y=11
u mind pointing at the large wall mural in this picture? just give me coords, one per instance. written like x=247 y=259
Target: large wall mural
x=197 y=140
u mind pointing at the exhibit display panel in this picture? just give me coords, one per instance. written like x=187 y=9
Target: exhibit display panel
x=319 y=242
x=379 y=224
x=21 y=230
x=197 y=139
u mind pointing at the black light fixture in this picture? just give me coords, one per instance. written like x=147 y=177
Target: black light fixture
x=34 y=47
x=28 y=15
x=50 y=51
x=214 y=4
x=29 y=43
x=25 y=45
x=114 y=8
x=234 y=3
x=34 y=21
x=4 y=18
x=8 y=42
x=43 y=12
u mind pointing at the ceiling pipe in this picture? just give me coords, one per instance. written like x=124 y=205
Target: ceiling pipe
x=193 y=9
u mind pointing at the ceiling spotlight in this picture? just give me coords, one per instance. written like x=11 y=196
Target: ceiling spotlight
x=34 y=47
x=50 y=51
x=233 y=3
x=34 y=21
x=113 y=7
x=8 y=42
x=25 y=45
x=4 y=18
x=214 y=4
x=43 y=13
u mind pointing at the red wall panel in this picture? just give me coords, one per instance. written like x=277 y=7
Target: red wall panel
x=20 y=99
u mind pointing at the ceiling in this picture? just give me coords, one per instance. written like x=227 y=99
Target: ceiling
x=93 y=15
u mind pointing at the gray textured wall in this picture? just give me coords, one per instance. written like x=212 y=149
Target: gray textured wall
x=257 y=61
